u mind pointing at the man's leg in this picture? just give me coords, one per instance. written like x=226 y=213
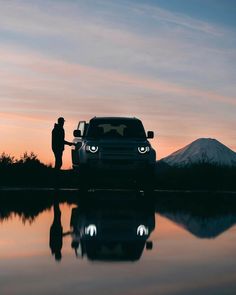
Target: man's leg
x=58 y=159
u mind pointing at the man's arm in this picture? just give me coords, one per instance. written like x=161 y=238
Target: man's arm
x=68 y=143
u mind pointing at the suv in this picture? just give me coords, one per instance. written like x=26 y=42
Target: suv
x=113 y=144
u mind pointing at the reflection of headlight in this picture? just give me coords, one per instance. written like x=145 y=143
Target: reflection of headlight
x=91 y=230
x=142 y=230
x=143 y=149
x=92 y=148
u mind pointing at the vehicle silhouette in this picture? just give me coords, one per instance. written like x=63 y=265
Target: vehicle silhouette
x=113 y=146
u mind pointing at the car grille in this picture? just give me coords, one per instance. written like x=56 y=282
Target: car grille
x=118 y=152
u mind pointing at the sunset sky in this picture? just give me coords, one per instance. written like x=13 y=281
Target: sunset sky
x=170 y=63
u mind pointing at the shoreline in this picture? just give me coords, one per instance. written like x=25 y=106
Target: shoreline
x=185 y=191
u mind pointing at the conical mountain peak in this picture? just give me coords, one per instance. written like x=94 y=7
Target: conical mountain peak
x=202 y=150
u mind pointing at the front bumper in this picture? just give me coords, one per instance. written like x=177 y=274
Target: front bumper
x=109 y=158
x=117 y=165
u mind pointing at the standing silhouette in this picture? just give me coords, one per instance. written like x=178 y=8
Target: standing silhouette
x=58 y=142
x=56 y=232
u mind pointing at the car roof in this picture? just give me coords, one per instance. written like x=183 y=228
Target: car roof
x=114 y=118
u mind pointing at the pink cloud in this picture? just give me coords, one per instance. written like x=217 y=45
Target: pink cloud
x=44 y=68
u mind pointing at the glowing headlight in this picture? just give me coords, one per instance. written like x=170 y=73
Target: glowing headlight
x=92 y=148
x=91 y=230
x=142 y=230
x=143 y=149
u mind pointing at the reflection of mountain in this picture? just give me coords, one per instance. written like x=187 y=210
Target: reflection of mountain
x=116 y=229
x=203 y=227
x=203 y=215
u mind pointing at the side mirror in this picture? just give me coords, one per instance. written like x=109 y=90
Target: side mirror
x=77 y=133
x=150 y=134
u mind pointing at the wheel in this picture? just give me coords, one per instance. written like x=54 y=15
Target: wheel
x=83 y=179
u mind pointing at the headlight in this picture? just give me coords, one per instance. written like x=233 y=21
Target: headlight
x=143 y=149
x=91 y=230
x=142 y=230
x=92 y=148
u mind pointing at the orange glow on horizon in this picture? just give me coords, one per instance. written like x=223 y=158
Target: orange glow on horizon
x=19 y=139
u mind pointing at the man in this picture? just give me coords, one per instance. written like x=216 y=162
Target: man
x=58 y=142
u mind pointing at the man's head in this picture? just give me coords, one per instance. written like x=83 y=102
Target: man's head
x=60 y=121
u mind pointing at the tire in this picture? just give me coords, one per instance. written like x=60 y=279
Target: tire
x=83 y=179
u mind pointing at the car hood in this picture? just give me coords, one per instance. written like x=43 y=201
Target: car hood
x=118 y=141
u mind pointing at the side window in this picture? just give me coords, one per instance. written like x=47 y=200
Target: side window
x=86 y=128
x=81 y=127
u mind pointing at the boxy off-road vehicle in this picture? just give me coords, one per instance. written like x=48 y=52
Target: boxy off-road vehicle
x=107 y=145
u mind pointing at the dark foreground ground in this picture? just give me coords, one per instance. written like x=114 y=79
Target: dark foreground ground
x=29 y=171
x=32 y=173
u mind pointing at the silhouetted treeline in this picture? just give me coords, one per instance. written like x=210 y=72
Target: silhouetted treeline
x=26 y=170
x=30 y=171
x=196 y=176
x=203 y=204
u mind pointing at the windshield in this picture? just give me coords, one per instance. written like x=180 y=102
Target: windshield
x=116 y=128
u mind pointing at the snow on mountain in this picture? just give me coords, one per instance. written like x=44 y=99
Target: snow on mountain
x=202 y=150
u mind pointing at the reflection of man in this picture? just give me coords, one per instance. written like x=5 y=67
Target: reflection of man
x=58 y=142
x=56 y=232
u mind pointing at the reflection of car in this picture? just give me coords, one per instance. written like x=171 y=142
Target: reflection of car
x=117 y=231
x=113 y=144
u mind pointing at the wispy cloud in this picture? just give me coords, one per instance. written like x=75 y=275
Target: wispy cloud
x=179 y=20
x=100 y=39
x=40 y=72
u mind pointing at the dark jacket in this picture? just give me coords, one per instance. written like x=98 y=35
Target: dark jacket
x=58 y=138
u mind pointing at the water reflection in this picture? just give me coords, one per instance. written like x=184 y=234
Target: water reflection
x=203 y=215
x=116 y=225
x=38 y=227
x=56 y=232
x=115 y=229
x=28 y=204
x=203 y=227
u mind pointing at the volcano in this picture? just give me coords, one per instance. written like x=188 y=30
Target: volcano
x=202 y=151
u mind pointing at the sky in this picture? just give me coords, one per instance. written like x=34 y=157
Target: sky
x=170 y=63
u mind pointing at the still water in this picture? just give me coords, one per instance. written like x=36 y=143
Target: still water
x=117 y=243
